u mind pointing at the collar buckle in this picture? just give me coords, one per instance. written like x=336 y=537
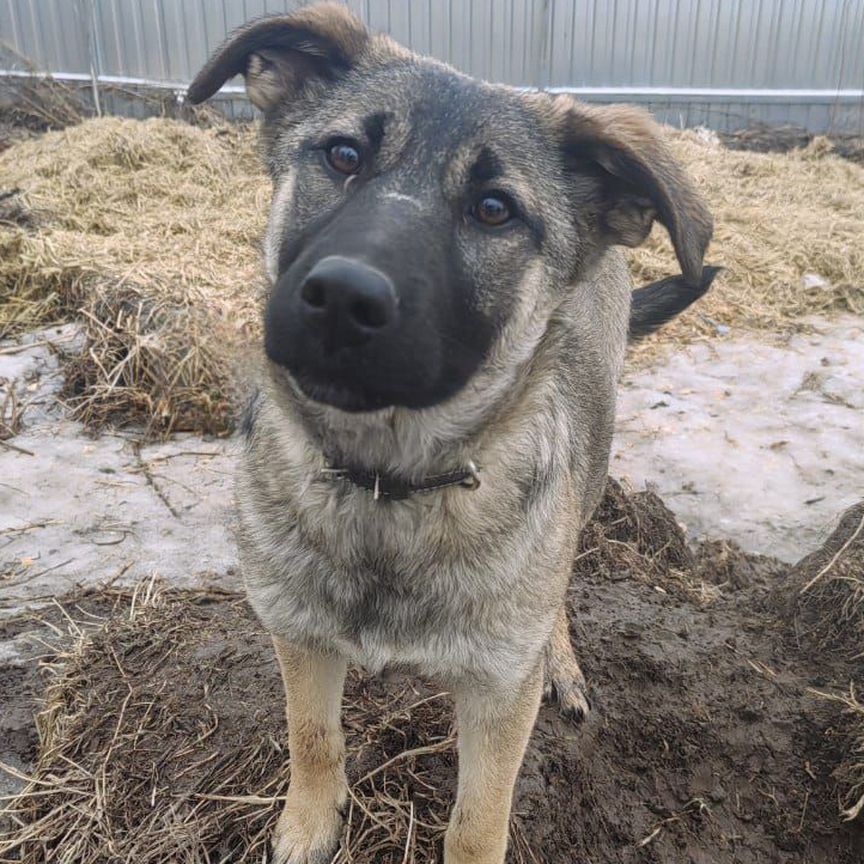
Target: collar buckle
x=472 y=481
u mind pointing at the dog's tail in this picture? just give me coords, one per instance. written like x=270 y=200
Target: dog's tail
x=654 y=305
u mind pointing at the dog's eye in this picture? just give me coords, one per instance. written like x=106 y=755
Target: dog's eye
x=344 y=157
x=492 y=210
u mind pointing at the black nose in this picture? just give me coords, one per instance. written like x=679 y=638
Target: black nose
x=350 y=300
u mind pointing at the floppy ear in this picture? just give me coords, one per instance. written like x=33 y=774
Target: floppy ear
x=641 y=180
x=280 y=53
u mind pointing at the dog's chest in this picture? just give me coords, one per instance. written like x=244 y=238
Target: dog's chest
x=418 y=583
x=394 y=566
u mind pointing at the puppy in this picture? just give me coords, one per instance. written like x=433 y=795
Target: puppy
x=446 y=323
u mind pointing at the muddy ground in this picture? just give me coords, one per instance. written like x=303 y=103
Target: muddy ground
x=704 y=744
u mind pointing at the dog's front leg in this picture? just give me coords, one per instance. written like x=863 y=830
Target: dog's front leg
x=311 y=823
x=493 y=728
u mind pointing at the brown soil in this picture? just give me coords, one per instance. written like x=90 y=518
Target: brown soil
x=783 y=139
x=830 y=600
x=704 y=744
x=20 y=688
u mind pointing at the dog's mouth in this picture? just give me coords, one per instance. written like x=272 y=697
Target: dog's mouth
x=339 y=396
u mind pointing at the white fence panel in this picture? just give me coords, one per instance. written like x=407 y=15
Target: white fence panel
x=724 y=63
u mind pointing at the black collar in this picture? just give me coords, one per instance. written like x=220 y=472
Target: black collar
x=397 y=489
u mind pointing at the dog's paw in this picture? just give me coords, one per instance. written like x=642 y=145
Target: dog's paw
x=570 y=692
x=306 y=835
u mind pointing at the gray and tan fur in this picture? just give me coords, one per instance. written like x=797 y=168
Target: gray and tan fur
x=506 y=351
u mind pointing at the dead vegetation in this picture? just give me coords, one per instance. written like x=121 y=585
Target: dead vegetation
x=634 y=535
x=763 y=138
x=150 y=357
x=829 y=615
x=134 y=768
x=150 y=239
x=176 y=212
x=788 y=231
x=11 y=410
x=39 y=103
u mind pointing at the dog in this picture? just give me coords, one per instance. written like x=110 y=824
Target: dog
x=447 y=319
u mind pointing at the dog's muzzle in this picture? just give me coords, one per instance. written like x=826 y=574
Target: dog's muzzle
x=372 y=311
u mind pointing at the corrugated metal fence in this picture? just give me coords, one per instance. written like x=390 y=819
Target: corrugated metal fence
x=728 y=64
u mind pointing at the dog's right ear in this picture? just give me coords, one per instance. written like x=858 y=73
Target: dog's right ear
x=278 y=54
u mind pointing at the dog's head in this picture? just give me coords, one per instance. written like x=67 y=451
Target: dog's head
x=421 y=217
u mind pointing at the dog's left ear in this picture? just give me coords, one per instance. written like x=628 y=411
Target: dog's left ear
x=640 y=178
x=279 y=54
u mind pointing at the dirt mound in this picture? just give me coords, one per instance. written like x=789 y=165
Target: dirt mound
x=634 y=535
x=177 y=211
x=828 y=608
x=163 y=736
x=830 y=587
x=164 y=741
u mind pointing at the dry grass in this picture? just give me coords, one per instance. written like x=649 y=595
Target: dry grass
x=176 y=212
x=151 y=358
x=138 y=201
x=37 y=104
x=830 y=618
x=778 y=217
x=11 y=410
x=152 y=752
x=149 y=235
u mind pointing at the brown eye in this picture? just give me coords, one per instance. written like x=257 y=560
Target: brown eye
x=344 y=157
x=492 y=210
